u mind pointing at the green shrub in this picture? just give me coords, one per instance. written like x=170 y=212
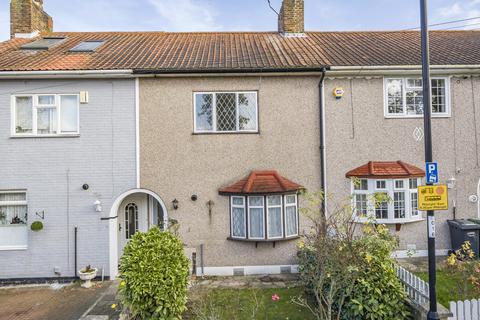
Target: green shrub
x=36 y=226
x=154 y=272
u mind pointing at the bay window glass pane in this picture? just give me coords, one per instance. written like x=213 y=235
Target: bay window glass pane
x=69 y=114
x=290 y=199
x=238 y=222
x=46 y=100
x=247 y=109
x=381 y=208
x=275 y=201
x=291 y=220
x=395 y=96
x=438 y=96
x=46 y=120
x=361 y=207
x=275 y=222
x=255 y=201
x=361 y=184
x=256 y=223
x=399 y=205
x=23 y=115
x=399 y=184
x=226 y=108
x=238 y=201
x=413 y=183
x=414 y=203
x=204 y=112
x=381 y=184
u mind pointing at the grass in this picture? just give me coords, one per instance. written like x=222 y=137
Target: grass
x=450 y=286
x=247 y=304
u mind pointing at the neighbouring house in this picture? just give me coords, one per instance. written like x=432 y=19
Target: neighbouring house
x=110 y=133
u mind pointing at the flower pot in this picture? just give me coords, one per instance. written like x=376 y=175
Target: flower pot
x=87 y=277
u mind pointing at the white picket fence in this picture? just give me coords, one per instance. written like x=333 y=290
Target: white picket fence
x=465 y=310
x=416 y=288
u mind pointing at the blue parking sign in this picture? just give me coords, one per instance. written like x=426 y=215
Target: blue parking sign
x=432 y=172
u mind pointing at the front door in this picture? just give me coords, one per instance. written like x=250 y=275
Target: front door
x=132 y=217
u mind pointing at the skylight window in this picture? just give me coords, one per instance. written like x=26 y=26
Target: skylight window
x=42 y=44
x=87 y=46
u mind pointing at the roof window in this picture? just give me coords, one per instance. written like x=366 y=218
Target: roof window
x=42 y=44
x=87 y=46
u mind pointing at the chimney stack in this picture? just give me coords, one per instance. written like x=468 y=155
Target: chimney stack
x=27 y=19
x=291 y=20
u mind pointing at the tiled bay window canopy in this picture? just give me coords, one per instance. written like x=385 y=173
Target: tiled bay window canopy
x=263 y=207
x=397 y=181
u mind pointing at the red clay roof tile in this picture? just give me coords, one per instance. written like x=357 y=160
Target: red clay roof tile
x=221 y=51
x=261 y=182
x=391 y=170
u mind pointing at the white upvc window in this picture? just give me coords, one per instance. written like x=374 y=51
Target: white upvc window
x=397 y=200
x=404 y=97
x=45 y=115
x=13 y=220
x=225 y=112
x=264 y=217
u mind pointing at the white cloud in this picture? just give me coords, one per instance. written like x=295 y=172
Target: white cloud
x=187 y=15
x=459 y=10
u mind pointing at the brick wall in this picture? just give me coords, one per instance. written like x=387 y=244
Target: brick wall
x=292 y=17
x=27 y=16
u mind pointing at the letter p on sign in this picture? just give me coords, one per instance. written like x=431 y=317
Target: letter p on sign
x=432 y=172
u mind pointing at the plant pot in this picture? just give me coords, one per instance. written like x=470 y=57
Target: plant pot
x=87 y=277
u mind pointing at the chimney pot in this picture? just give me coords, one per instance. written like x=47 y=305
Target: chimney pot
x=291 y=20
x=27 y=18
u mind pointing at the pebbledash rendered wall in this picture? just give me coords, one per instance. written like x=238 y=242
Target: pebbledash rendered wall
x=358 y=132
x=175 y=163
x=53 y=170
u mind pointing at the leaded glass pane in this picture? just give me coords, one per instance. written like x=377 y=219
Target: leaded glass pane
x=275 y=200
x=256 y=223
x=69 y=114
x=290 y=199
x=226 y=112
x=46 y=120
x=204 y=112
x=291 y=220
x=23 y=115
x=395 y=96
x=399 y=204
x=255 y=201
x=247 y=108
x=238 y=201
x=238 y=222
x=275 y=222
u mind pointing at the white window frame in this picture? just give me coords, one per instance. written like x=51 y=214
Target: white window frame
x=263 y=213
x=296 y=215
x=281 y=215
x=244 y=207
x=391 y=188
x=404 y=114
x=214 y=112
x=17 y=228
x=35 y=106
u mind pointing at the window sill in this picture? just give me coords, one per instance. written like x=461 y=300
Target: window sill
x=225 y=133
x=417 y=117
x=13 y=248
x=388 y=221
x=76 y=135
x=257 y=241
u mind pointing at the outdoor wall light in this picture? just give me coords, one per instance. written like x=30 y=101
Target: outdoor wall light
x=451 y=183
x=98 y=206
x=175 y=204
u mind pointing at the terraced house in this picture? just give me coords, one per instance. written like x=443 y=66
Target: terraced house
x=109 y=133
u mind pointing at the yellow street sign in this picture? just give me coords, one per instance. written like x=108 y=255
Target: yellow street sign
x=433 y=197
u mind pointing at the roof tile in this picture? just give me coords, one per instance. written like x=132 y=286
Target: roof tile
x=391 y=170
x=261 y=182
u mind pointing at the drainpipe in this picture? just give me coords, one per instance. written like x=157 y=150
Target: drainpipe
x=323 y=157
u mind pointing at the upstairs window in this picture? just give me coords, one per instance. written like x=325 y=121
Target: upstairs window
x=404 y=97
x=45 y=115
x=225 y=112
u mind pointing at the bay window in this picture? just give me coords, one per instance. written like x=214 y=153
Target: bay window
x=225 y=112
x=264 y=217
x=45 y=114
x=13 y=220
x=386 y=200
x=404 y=97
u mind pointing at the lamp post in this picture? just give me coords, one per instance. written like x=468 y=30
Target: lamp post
x=432 y=277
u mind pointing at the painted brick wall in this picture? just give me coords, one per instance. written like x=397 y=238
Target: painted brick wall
x=53 y=171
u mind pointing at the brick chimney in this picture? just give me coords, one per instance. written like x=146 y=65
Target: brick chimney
x=27 y=18
x=291 y=20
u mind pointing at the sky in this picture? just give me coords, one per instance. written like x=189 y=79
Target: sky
x=244 y=15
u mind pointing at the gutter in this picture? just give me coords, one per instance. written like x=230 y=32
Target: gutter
x=155 y=72
x=66 y=74
x=323 y=155
x=404 y=70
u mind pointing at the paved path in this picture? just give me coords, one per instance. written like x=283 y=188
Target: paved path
x=54 y=302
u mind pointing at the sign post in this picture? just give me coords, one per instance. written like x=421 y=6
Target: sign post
x=432 y=275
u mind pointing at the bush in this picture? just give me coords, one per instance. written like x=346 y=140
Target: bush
x=348 y=273
x=154 y=272
x=36 y=226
